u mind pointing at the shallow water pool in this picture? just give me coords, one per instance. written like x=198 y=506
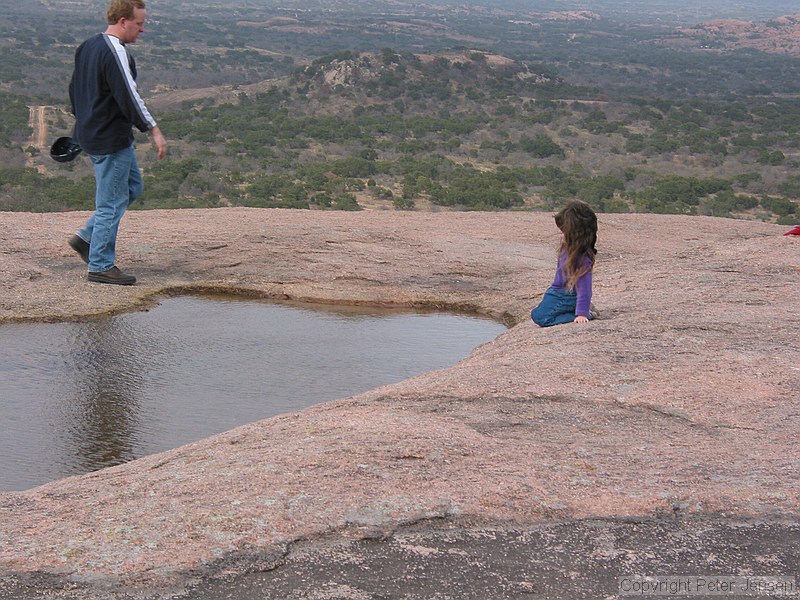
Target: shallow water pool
x=77 y=397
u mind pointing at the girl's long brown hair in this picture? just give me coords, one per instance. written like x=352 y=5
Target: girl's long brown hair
x=578 y=222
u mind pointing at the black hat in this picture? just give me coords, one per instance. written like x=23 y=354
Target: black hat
x=64 y=149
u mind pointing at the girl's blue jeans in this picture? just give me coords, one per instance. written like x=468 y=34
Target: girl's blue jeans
x=557 y=307
x=118 y=183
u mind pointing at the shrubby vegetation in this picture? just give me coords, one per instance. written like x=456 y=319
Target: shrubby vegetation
x=13 y=119
x=343 y=108
x=25 y=189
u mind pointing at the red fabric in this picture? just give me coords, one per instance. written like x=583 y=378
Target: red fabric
x=795 y=231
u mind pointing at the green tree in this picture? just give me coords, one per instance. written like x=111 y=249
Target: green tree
x=541 y=146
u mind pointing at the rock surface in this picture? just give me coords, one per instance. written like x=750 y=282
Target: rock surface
x=683 y=398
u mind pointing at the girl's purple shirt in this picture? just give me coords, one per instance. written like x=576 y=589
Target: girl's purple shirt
x=583 y=287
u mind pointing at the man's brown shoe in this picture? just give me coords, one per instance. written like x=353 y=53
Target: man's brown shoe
x=80 y=246
x=113 y=275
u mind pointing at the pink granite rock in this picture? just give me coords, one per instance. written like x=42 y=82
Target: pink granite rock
x=683 y=397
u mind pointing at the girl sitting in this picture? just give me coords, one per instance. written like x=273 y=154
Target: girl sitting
x=569 y=298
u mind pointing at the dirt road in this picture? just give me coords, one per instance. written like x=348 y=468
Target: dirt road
x=38 y=123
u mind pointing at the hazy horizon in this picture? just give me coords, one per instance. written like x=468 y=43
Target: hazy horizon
x=664 y=10
x=661 y=12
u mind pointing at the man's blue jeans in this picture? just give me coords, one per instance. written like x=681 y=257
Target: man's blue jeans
x=118 y=183
x=557 y=307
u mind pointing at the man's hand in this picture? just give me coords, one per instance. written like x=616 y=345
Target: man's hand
x=159 y=141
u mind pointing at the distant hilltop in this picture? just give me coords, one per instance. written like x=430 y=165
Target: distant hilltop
x=463 y=66
x=777 y=36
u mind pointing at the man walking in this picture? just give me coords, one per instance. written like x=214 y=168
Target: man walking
x=107 y=105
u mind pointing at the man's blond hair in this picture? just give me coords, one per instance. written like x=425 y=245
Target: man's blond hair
x=119 y=9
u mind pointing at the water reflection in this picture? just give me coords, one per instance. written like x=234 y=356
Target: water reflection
x=76 y=397
x=99 y=409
